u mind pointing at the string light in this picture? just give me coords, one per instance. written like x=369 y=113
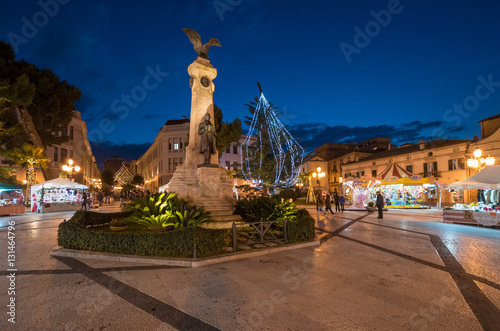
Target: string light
x=123 y=176
x=286 y=150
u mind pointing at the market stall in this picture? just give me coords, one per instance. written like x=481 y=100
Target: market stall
x=402 y=189
x=56 y=195
x=486 y=211
x=11 y=199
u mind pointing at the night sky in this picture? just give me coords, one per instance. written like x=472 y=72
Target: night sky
x=339 y=71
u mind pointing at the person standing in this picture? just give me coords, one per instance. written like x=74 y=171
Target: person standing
x=122 y=197
x=337 y=202
x=328 y=204
x=342 y=202
x=380 y=205
x=84 y=201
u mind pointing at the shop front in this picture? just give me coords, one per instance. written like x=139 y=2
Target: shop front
x=409 y=193
x=11 y=199
x=486 y=209
x=57 y=195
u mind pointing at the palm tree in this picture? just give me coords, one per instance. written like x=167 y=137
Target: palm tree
x=27 y=156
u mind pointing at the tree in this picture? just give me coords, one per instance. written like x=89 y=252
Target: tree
x=271 y=156
x=27 y=156
x=8 y=176
x=108 y=177
x=138 y=180
x=227 y=133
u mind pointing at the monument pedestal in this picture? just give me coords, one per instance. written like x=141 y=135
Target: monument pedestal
x=207 y=186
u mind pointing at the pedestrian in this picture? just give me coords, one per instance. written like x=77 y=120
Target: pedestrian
x=341 y=202
x=380 y=205
x=84 y=201
x=328 y=204
x=319 y=202
x=337 y=202
x=121 y=199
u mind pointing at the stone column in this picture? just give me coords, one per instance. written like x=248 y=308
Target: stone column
x=202 y=75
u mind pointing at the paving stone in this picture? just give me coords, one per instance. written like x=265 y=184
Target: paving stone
x=271 y=244
x=259 y=246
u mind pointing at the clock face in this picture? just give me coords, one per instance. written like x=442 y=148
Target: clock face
x=205 y=82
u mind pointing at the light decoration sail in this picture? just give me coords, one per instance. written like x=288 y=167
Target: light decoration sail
x=286 y=150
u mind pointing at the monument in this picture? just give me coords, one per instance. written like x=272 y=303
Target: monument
x=200 y=178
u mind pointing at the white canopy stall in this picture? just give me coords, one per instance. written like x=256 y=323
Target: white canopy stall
x=487 y=179
x=55 y=195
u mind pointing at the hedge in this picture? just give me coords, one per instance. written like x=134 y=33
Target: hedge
x=301 y=228
x=177 y=243
x=92 y=218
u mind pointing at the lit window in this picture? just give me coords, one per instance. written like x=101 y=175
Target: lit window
x=176 y=146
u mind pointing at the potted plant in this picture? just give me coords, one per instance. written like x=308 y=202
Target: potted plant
x=117 y=225
x=370 y=207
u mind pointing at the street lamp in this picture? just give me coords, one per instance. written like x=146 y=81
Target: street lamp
x=479 y=162
x=70 y=168
x=318 y=174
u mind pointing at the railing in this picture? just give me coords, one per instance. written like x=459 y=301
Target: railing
x=260 y=229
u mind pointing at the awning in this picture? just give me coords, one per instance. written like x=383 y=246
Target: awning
x=58 y=183
x=488 y=178
x=7 y=187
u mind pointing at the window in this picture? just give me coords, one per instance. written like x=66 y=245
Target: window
x=430 y=169
x=169 y=164
x=409 y=168
x=169 y=144
x=180 y=144
x=235 y=165
x=64 y=132
x=71 y=154
x=175 y=163
x=228 y=165
x=176 y=144
x=456 y=164
x=362 y=173
x=64 y=155
x=228 y=150
x=235 y=149
x=70 y=132
x=374 y=173
x=56 y=154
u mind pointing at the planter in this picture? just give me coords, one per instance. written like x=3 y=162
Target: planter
x=118 y=228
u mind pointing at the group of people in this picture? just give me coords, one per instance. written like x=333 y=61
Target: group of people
x=324 y=203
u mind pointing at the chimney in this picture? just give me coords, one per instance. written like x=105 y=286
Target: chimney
x=475 y=138
x=183 y=117
x=422 y=144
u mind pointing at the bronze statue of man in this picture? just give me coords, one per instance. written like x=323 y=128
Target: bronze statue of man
x=207 y=132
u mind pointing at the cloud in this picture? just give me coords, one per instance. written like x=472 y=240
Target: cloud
x=312 y=135
x=150 y=116
x=123 y=150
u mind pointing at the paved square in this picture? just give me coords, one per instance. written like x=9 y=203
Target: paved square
x=406 y=272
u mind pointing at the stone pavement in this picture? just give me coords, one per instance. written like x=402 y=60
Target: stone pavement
x=406 y=272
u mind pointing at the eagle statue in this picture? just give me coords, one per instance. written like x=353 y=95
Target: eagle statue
x=201 y=49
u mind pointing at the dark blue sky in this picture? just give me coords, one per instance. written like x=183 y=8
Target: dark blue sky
x=401 y=78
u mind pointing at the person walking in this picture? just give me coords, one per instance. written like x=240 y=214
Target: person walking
x=337 y=202
x=319 y=202
x=328 y=204
x=84 y=201
x=380 y=205
x=122 y=197
x=342 y=202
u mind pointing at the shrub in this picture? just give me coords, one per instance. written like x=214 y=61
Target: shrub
x=264 y=209
x=288 y=194
x=301 y=228
x=93 y=218
x=178 y=243
x=162 y=210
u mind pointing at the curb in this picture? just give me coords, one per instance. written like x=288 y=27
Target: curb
x=176 y=262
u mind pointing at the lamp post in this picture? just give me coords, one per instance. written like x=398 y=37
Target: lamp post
x=479 y=163
x=70 y=169
x=318 y=174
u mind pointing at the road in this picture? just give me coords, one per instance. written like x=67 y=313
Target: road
x=408 y=271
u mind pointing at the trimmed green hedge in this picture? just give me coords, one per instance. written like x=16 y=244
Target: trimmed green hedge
x=301 y=228
x=178 y=243
x=93 y=218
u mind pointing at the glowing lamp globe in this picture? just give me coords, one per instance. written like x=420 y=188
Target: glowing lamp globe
x=477 y=153
x=490 y=160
